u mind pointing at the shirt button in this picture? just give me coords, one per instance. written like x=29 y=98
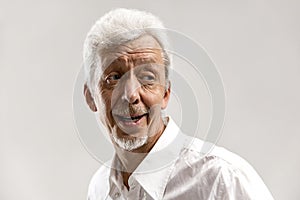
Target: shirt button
x=132 y=186
x=117 y=195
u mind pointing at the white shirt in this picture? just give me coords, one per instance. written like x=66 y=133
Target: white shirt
x=178 y=168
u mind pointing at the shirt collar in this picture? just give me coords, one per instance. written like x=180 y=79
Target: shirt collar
x=154 y=171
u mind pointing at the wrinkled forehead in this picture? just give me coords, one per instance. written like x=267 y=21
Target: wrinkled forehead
x=143 y=50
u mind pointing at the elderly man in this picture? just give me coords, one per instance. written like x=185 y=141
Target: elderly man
x=127 y=83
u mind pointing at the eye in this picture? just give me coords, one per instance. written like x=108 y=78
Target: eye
x=112 y=78
x=148 y=78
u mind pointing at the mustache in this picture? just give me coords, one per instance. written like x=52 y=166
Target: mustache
x=130 y=110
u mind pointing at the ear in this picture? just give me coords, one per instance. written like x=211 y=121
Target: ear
x=166 y=96
x=89 y=99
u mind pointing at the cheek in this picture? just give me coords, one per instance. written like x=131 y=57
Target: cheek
x=106 y=98
x=105 y=113
x=152 y=97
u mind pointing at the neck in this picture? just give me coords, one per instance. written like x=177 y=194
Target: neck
x=131 y=159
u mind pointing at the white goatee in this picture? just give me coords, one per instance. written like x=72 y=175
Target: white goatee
x=129 y=144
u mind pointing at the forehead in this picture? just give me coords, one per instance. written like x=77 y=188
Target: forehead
x=143 y=50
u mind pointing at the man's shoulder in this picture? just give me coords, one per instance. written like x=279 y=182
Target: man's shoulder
x=216 y=166
x=198 y=149
x=99 y=184
x=102 y=172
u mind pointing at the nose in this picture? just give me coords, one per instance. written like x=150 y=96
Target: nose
x=131 y=90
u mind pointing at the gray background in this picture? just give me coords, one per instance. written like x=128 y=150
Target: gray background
x=255 y=44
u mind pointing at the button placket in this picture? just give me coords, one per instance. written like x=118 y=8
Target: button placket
x=132 y=184
x=117 y=195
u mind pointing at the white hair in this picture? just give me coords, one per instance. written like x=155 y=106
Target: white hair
x=115 y=28
x=130 y=144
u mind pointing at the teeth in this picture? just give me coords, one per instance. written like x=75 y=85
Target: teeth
x=128 y=119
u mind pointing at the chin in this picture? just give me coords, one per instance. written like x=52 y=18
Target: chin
x=129 y=143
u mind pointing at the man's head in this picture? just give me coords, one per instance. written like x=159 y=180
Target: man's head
x=127 y=75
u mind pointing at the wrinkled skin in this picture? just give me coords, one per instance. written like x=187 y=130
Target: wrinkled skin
x=133 y=92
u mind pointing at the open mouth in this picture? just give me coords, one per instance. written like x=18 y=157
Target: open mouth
x=131 y=119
